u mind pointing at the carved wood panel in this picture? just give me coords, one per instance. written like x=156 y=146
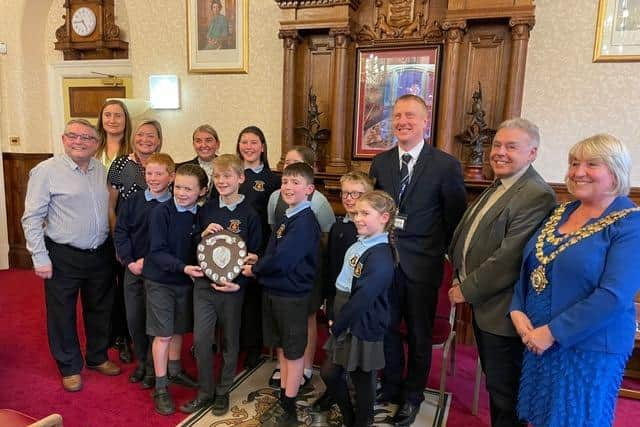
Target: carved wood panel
x=484 y=59
x=315 y=53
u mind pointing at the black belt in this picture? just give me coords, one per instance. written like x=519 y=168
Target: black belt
x=84 y=251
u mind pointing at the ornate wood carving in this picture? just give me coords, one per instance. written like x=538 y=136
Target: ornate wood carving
x=520 y=28
x=454 y=32
x=298 y=4
x=102 y=43
x=290 y=38
x=337 y=164
x=401 y=20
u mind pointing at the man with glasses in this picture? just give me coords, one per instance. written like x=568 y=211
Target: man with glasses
x=66 y=227
x=428 y=189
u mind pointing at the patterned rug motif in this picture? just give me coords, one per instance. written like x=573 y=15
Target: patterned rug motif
x=251 y=396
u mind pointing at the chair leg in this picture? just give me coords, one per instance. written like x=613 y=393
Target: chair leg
x=452 y=365
x=476 y=388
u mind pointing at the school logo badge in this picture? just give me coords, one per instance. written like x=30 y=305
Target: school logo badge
x=353 y=261
x=280 y=231
x=357 y=271
x=258 y=185
x=234 y=226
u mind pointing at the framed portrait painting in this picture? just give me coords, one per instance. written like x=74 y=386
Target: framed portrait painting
x=617 y=31
x=383 y=76
x=218 y=36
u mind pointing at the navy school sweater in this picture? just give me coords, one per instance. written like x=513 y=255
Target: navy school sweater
x=243 y=220
x=173 y=237
x=257 y=187
x=366 y=314
x=131 y=233
x=288 y=266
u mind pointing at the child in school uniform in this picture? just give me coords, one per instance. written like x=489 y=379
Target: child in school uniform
x=326 y=218
x=286 y=271
x=168 y=271
x=222 y=303
x=131 y=238
x=361 y=309
x=260 y=181
x=341 y=236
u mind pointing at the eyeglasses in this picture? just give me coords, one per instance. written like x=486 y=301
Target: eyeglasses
x=82 y=138
x=353 y=194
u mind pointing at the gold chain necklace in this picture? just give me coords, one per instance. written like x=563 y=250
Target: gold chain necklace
x=539 y=275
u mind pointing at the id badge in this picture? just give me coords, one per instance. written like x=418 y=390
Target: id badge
x=400 y=221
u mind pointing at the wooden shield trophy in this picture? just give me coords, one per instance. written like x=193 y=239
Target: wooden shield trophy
x=221 y=255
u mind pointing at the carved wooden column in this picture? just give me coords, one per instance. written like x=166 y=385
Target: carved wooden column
x=520 y=29
x=290 y=42
x=336 y=163
x=454 y=31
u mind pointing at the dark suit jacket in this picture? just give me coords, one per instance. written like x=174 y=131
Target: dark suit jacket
x=434 y=202
x=213 y=193
x=494 y=255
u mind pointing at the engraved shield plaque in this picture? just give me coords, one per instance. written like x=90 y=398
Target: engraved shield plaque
x=220 y=256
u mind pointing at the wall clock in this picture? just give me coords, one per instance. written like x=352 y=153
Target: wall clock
x=90 y=31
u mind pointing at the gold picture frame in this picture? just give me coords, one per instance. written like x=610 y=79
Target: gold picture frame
x=617 y=31
x=218 y=36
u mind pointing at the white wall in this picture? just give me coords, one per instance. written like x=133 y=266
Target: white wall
x=571 y=98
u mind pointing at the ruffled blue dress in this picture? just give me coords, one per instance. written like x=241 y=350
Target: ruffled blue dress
x=565 y=386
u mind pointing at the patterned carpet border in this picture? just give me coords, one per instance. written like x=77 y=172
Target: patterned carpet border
x=251 y=396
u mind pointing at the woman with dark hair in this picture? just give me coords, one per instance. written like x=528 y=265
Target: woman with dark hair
x=259 y=183
x=114 y=129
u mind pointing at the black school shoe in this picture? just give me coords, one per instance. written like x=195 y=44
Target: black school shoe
x=163 y=402
x=137 y=375
x=195 y=405
x=285 y=419
x=220 y=405
x=183 y=379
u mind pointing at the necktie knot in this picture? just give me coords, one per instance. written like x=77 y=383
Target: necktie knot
x=406 y=158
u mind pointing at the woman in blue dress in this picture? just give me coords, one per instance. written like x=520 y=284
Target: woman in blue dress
x=573 y=304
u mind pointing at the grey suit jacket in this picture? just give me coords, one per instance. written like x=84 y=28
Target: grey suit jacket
x=494 y=254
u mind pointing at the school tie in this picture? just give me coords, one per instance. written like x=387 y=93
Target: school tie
x=404 y=174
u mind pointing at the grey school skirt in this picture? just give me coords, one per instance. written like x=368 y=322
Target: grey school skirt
x=351 y=352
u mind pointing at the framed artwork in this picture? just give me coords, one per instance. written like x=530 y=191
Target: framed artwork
x=617 y=31
x=218 y=36
x=383 y=76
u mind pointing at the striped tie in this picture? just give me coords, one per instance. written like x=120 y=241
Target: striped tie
x=404 y=174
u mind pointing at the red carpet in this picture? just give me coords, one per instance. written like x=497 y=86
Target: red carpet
x=30 y=383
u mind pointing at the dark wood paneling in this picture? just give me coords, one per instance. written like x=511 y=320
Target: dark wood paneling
x=16 y=176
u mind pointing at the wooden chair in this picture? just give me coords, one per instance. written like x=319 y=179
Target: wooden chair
x=11 y=418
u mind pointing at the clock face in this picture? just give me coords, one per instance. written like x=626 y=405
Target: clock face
x=83 y=21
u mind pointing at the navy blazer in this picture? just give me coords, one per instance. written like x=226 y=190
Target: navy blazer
x=593 y=285
x=434 y=202
x=366 y=314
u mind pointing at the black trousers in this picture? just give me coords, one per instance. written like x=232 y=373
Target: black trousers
x=364 y=383
x=415 y=302
x=119 y=327
x=213 y=309
x=251 y=328
x=88 y=274
x=501 y=359
x=135 y=299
